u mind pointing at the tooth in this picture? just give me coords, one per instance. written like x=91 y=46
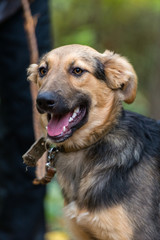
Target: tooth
x=70 y=119
x=74 y=115
x=64 y=129
x=76 y=110
x=46 y=127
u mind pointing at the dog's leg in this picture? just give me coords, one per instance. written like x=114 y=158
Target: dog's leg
x=73 y=218
x=108 y=224
x=77 y=231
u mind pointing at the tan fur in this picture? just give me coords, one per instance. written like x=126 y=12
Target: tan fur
x=119 y=71
x=32 y=72
x=109 y=224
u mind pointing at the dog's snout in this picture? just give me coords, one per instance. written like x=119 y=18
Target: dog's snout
x=46 y=102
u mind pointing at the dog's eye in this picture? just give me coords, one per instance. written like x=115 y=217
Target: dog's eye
x=77 y=71
x=43 y=71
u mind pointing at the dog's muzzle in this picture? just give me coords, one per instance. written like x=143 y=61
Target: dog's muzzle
x=62 y=120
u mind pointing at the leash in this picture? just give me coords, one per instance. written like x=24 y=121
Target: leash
x=29 y=26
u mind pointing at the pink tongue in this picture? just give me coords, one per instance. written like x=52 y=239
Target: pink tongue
x=55 y=125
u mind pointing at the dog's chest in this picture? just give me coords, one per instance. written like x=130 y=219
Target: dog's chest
x=70 y=168
x=110 y=223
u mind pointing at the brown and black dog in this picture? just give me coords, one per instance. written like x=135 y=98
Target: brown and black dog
x=109 y=166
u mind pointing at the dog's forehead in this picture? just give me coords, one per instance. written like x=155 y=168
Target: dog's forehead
x=73 y=52
x=74 y=49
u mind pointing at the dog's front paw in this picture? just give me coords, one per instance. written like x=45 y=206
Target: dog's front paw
x=82 y=217
x=73 y=212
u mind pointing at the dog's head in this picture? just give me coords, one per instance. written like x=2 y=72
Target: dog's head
x=80 y=93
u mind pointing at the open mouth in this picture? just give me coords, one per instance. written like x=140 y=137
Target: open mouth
x=62 y=127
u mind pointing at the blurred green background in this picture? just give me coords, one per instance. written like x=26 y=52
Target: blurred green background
x=128 y=27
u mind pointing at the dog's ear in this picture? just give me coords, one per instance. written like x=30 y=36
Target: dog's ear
x=32 y=73
x=120 y=76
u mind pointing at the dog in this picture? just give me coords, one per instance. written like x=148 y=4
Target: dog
x=108 y=164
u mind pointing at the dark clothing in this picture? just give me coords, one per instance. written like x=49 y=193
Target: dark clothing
x=21 y=203
x=8 y=8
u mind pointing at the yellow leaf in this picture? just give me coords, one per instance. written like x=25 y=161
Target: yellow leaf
x=56 y=236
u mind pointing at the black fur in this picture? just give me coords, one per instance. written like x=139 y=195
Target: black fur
x=126 y=172
x=99 y=70
x=140 y=143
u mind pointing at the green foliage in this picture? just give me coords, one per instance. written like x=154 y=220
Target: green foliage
x=53 y=206
x=129 y=27
x=139 y=105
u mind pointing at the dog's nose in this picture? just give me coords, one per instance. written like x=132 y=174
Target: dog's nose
x=46 y=102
